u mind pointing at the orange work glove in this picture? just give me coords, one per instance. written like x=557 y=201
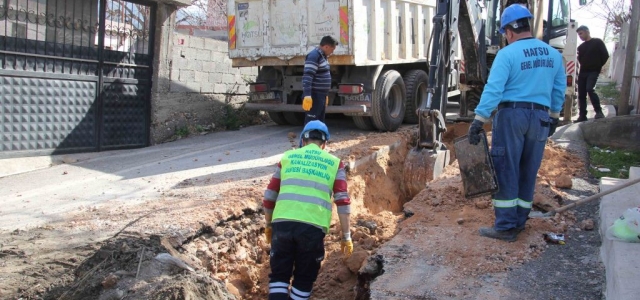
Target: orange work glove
x=347 y=247
x=267 y=234
x=307 y=103
x=327 y=101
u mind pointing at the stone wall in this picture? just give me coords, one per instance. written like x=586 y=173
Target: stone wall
x=201 y=65
x=194 y=84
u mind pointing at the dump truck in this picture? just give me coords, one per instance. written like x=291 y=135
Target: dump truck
x=379 y=69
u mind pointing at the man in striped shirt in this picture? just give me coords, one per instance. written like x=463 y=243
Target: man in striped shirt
x=297 y=208
x=316 y=80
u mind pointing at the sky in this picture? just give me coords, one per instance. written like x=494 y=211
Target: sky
x=585 y=16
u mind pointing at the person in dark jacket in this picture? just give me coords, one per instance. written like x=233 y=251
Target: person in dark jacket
x=316 y=80
x=592 y=55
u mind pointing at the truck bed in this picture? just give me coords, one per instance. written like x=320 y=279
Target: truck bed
x=369 y=32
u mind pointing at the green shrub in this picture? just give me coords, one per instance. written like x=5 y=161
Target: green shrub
x=608 y=93
x=231 y=120
x=182 y=131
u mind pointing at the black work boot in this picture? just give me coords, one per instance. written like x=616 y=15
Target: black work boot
x=599 y=115
x=581 y=119
x=519 y=229
x=505 y=235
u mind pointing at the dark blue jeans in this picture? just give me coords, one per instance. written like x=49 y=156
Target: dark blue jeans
x=296 y=249
x=517 y=147
x=317 y=109
x=586 y=84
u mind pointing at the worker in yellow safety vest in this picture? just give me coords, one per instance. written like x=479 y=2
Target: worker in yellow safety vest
x=297 y=206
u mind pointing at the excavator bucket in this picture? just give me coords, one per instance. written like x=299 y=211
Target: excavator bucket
x=422 y=166
x=476 y=167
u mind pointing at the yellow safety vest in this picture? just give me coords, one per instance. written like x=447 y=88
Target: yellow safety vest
x=306 y=184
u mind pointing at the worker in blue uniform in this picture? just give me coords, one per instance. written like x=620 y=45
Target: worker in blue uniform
x=526 y=84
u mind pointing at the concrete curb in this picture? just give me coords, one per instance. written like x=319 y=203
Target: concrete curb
x=18 y=165
x=621 y=132
x=621 y=260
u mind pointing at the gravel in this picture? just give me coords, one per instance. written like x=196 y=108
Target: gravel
x=570 y=271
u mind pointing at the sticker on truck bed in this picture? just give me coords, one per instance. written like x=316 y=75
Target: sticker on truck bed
x=364 y=97
x=248 y=26
x=323 y=20
x=243 y=6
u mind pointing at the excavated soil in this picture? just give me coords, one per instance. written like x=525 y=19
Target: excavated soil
x=225 y=254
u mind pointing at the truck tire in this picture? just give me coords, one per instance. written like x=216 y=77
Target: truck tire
x=272 y=77
x=416 y=82
x=364 y=123
x=388 y=105
x=294 y=118
x=277 y=117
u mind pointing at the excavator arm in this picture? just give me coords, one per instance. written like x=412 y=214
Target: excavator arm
x=456 y=21
x=430 y=156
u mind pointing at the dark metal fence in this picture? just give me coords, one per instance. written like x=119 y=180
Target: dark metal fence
x=75 y=75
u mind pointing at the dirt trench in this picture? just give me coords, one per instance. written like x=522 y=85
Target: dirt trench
x=229 y=258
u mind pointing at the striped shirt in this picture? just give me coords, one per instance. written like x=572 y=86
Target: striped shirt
x=316 y=77
x=340 y=194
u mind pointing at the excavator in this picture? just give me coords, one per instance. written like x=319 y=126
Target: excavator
x=468 y=23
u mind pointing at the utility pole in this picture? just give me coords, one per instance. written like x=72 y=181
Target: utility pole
x=630 y=60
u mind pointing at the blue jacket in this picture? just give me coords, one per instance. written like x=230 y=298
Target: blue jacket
x=528 y=70
x=316 y=77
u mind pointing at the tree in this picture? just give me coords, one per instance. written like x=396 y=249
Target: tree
x=632 y=46
x=204 y=13
x=614 y=12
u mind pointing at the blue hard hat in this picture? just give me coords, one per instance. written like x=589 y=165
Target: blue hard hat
x=512 y=14
x=314 y=125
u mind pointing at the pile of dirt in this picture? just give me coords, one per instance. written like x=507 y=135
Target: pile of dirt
x=443 y=225
x=139 y=268
x=441 y=212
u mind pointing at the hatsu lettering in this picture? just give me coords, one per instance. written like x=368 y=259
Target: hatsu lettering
x=539 y=51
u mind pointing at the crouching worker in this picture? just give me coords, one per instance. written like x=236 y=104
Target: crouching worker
x=297 y=206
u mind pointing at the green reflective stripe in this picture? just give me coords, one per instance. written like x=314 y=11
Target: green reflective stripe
x=505 y=203
x=525 y=204
x=305 y=199
x=306 y=183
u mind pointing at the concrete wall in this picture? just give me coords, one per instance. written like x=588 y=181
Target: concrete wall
x=193 y=81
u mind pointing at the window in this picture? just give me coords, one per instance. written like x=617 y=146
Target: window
x=560 y=13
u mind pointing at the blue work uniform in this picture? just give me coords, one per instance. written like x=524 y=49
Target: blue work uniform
x=526 y=83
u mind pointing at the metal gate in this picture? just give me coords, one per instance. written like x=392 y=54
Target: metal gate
x=75 y=75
